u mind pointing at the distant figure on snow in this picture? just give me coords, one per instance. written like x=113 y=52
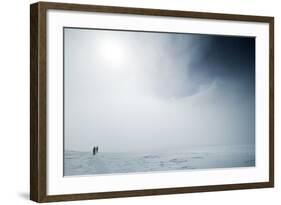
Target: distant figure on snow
x=95 y=150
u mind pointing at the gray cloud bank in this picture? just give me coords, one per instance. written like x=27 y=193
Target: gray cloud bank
x=166 y=91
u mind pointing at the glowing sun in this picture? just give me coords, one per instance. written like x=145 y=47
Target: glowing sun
x=113 y=52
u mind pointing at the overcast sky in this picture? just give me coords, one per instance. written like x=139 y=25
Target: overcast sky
x=143 y=91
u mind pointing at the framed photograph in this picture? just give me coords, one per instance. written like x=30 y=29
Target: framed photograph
x=135 y=102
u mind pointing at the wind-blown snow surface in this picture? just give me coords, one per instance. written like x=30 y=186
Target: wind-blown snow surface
x=84 y=163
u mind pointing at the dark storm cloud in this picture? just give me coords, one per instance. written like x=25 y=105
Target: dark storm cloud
x=228 y=60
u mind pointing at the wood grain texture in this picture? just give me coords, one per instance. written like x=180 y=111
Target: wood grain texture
x=34 y=174
x=38 y=99
x=37 y=102
x=271 y=101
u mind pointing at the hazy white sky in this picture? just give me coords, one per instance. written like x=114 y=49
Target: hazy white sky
x=135 y=91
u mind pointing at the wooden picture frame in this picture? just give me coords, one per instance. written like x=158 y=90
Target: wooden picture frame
x=39 y=100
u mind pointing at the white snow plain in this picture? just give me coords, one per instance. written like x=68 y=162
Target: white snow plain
x=85 y=163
